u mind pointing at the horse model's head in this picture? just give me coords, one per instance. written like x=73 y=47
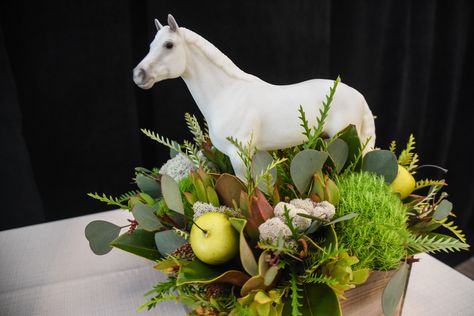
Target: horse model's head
x=166 y=58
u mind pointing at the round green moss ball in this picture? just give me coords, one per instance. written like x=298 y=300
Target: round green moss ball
x=377 y=236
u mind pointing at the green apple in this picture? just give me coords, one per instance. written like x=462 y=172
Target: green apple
x=404 y=182
x=213 y=239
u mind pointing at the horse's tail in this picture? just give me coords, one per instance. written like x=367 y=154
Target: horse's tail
x=368 y=127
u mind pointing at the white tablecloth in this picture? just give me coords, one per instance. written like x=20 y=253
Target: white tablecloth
x=48 y=269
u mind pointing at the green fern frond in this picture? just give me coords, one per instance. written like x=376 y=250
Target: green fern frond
x=393 y=146
x=182 y=233
x=413 y=164
x=319 y=279
x=431 y=243
x=406 y=155
x=323 y=113
x=428 y=182
x=295 y=296
x=304 y=123
x=192 y=152
x=194 y=128
x=162 y=140
x=454 y=229
x=110 y=200
x=314 y=135
x=124 y=197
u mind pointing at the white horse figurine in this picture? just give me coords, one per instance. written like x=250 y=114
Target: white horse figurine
x=237 y=104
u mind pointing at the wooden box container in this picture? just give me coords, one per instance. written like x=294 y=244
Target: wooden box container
x=366 y=299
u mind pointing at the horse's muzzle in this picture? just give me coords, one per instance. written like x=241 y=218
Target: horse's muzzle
x=141 y=79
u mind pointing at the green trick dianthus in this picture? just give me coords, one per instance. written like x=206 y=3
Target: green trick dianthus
x=377 y=236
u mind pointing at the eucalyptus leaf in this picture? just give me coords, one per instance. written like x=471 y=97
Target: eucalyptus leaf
x=351 y=137
x=442 y=210
x=148 y=185
x=338 y=151
x=381 y=162
x=100 y=234
x=394 y=290
x=168 y=241
x=171 y=194
x=146 y=218
x=304 y=165
x=140 y=243
x=342 y=218
x=260 y=162
x=174 y=153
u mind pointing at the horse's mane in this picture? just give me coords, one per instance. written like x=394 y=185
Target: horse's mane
x=216 y=56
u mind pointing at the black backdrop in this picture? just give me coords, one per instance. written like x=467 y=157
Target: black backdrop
x=70 y=113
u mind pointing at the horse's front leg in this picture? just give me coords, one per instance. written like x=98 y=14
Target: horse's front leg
x=238 y=164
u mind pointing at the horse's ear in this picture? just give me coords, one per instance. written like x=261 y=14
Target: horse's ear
x=158 y=25
x=172 y=23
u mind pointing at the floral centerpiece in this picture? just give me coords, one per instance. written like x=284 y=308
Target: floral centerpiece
x=308 y=225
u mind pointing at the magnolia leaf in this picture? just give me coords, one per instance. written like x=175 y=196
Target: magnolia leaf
x=260 y=162
x=338 y=151
x=304 y=165
x=247 y=257
x=394 y=290
x=140 y=243
x=263 y=265
x=168 y=241
x=442 y=210
x=171 y=194
x=100 y=234
x=270 y=275
x=197 y=271
x=146 y=218
x=148 y=185
x=228 y=188
x=381 y=162
x=318 y=299
x=254 y=283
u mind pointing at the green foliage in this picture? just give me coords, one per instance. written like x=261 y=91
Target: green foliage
x=289 y=222
x=432 y=243
x=428 y=183
x=407 y=154
x=171 y=144
x=125 y=196
x=193 y=154
x=162 y=291
x=377 y=236
x=407 y=158
x=295 y=295
x=245 y=153
x=195 y=129
x=313 y=135
x=110 y=200
x=453 y=228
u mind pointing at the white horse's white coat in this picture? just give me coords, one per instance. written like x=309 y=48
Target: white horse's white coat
x=238 y=104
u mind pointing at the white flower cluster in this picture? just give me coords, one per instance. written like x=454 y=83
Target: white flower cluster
x=323 y=210
x=201 y=208
x=275 y=228
x=178 y=167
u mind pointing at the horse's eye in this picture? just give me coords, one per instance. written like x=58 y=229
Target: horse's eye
x=169 y=45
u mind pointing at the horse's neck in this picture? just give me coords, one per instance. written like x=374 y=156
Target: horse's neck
x=209 y=73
